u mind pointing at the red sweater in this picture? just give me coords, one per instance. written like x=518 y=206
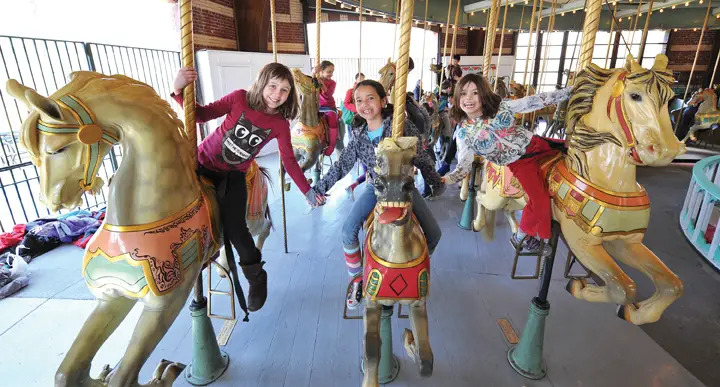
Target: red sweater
x=348 y=102
x=236 y=142
x=326 y=97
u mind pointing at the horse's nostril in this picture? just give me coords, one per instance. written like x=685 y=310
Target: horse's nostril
x=651 y=148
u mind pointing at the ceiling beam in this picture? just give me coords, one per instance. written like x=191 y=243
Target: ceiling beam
x=656 y=7
x=574 y=5
x=486 y=4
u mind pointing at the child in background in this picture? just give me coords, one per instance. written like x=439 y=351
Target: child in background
x=324 y=72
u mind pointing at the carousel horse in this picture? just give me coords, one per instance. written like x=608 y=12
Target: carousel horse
x=160 y=227
x=395 y=252
x=310 y=136
x=708 y=113
x=518 y=90
x=617 y=120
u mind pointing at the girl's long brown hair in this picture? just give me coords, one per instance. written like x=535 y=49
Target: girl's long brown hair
x=289 y=109
x=489 y=101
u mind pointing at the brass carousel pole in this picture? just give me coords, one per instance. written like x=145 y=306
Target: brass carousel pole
x=360 y=10
x=455 y=28
x=526 y=357
x=282 y=168
x=610 y=39
x=490 y=37
x=401 y=68
x=422 y=61
x=522 y=15
x=502 y=38
x=645 y=32
x=208 y=362
x=447 y=32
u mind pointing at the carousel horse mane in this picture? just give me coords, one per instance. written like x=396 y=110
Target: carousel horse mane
x=583 y=138
x=135 y=97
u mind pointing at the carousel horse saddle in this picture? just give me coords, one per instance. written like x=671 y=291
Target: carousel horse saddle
x=385 y=280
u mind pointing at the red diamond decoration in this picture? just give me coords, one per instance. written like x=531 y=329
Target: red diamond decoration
x=398 y=285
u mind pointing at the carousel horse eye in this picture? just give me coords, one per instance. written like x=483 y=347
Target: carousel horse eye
x=61 y=150
x=636 y=97
x=380 y=184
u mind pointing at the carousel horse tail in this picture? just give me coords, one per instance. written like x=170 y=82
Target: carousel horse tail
x=489 y=229
x=266 y=174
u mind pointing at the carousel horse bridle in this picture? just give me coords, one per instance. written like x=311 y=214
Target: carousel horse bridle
x=86 y=131
x=616 y=100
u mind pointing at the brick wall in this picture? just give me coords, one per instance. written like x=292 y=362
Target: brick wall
x=681 y=53
x=461 y=41
x=213 y=24
x=289 y=29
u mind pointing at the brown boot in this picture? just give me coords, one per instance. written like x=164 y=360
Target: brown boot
x=257 y=279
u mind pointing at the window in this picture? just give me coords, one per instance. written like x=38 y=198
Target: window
x=656 y=43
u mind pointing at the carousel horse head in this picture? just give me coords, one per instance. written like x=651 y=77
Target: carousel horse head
x=308 y=140
x=69 y=133
x=627 y=107
x=706 y=98
x=502 y=89
x=394 y=183
x=387 y=75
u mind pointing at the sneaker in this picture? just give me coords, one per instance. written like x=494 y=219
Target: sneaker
x=531 y=245
x=354 y=295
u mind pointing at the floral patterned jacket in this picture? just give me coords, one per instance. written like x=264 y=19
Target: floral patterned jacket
x=360 y=148
x=500 y=140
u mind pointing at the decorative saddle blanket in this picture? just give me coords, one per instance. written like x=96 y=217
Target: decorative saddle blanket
x=395 y=281
x=149 y=257
x=595 y=210
x=498 y=175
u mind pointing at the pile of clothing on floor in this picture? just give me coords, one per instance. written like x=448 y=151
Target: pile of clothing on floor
x=26 y=241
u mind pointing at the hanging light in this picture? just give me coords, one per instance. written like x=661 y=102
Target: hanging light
x=484 y=10
x=694 y=29
x=574 y=10
x=675 y=30
x=472 y=13
x=640 y=14
x=619 y=20
x=687 y=3
x=661 y=10
x=526 y=1
x=562 y=13
x=512 y=5
x=700 y=2
x=673 y=7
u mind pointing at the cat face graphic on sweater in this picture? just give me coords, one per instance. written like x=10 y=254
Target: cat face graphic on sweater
x=242 y=142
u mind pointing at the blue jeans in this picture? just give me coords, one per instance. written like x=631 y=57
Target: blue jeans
x=365 y=203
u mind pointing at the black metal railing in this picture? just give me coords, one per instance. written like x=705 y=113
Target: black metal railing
x=45 y=65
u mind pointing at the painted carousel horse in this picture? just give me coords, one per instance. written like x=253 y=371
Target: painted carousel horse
x=518 y=90
x=617 y=120
x=708 y=113
x=160 y=226
x=311 y=135
x=396 y=266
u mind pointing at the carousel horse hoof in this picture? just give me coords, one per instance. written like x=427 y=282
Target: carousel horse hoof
x=575 y=285
x=106 y=371
x=166 y=372
x=425 y=363
x=409 y=344
x=624 y=311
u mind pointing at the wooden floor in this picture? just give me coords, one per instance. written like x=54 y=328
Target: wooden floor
x=300 y=339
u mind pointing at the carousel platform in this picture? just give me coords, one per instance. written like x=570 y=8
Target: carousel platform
x=300 y=338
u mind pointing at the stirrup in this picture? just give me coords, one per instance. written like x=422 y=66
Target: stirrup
x=211 y=291
x=518 y=246
x=349 y=289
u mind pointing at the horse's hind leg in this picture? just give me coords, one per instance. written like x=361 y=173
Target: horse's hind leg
x=421 y=351
x=371 y=356
x=102 y=322
x=668 y=286
x=156 y=318
x=618 y=288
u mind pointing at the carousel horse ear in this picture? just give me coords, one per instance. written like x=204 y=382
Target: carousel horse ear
x=17 y=91
x=43 y=105
x=661 y=62
x=632 y=65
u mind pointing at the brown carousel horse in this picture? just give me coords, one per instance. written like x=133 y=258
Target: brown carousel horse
x=310 y=136
x=395 y=251
x=161 y=225
x=708 y=113
x=617 y=120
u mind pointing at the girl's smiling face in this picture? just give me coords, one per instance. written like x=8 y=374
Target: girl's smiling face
x=470 y=100
x=327 y=72
x=368 y=103
x=275 y=93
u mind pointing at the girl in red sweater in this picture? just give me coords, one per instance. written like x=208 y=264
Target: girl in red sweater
x=252 y=119
x=324 y=73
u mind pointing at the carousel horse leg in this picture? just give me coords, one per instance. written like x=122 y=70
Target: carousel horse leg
x=526 y=357
x=317 y=170
x=618 y=288
x=479 y=222
x=469 y=209
x=371 y=356
x=668 y=286
x=510 y=216
x=102 y=322
x=157 y=316
x=417 y=342
x=264 y=233
x=464 y=187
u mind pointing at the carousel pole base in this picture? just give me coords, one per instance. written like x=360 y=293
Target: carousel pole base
x=208 y=361
x=389 y=366
x=468 y=213
x=526 y=357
